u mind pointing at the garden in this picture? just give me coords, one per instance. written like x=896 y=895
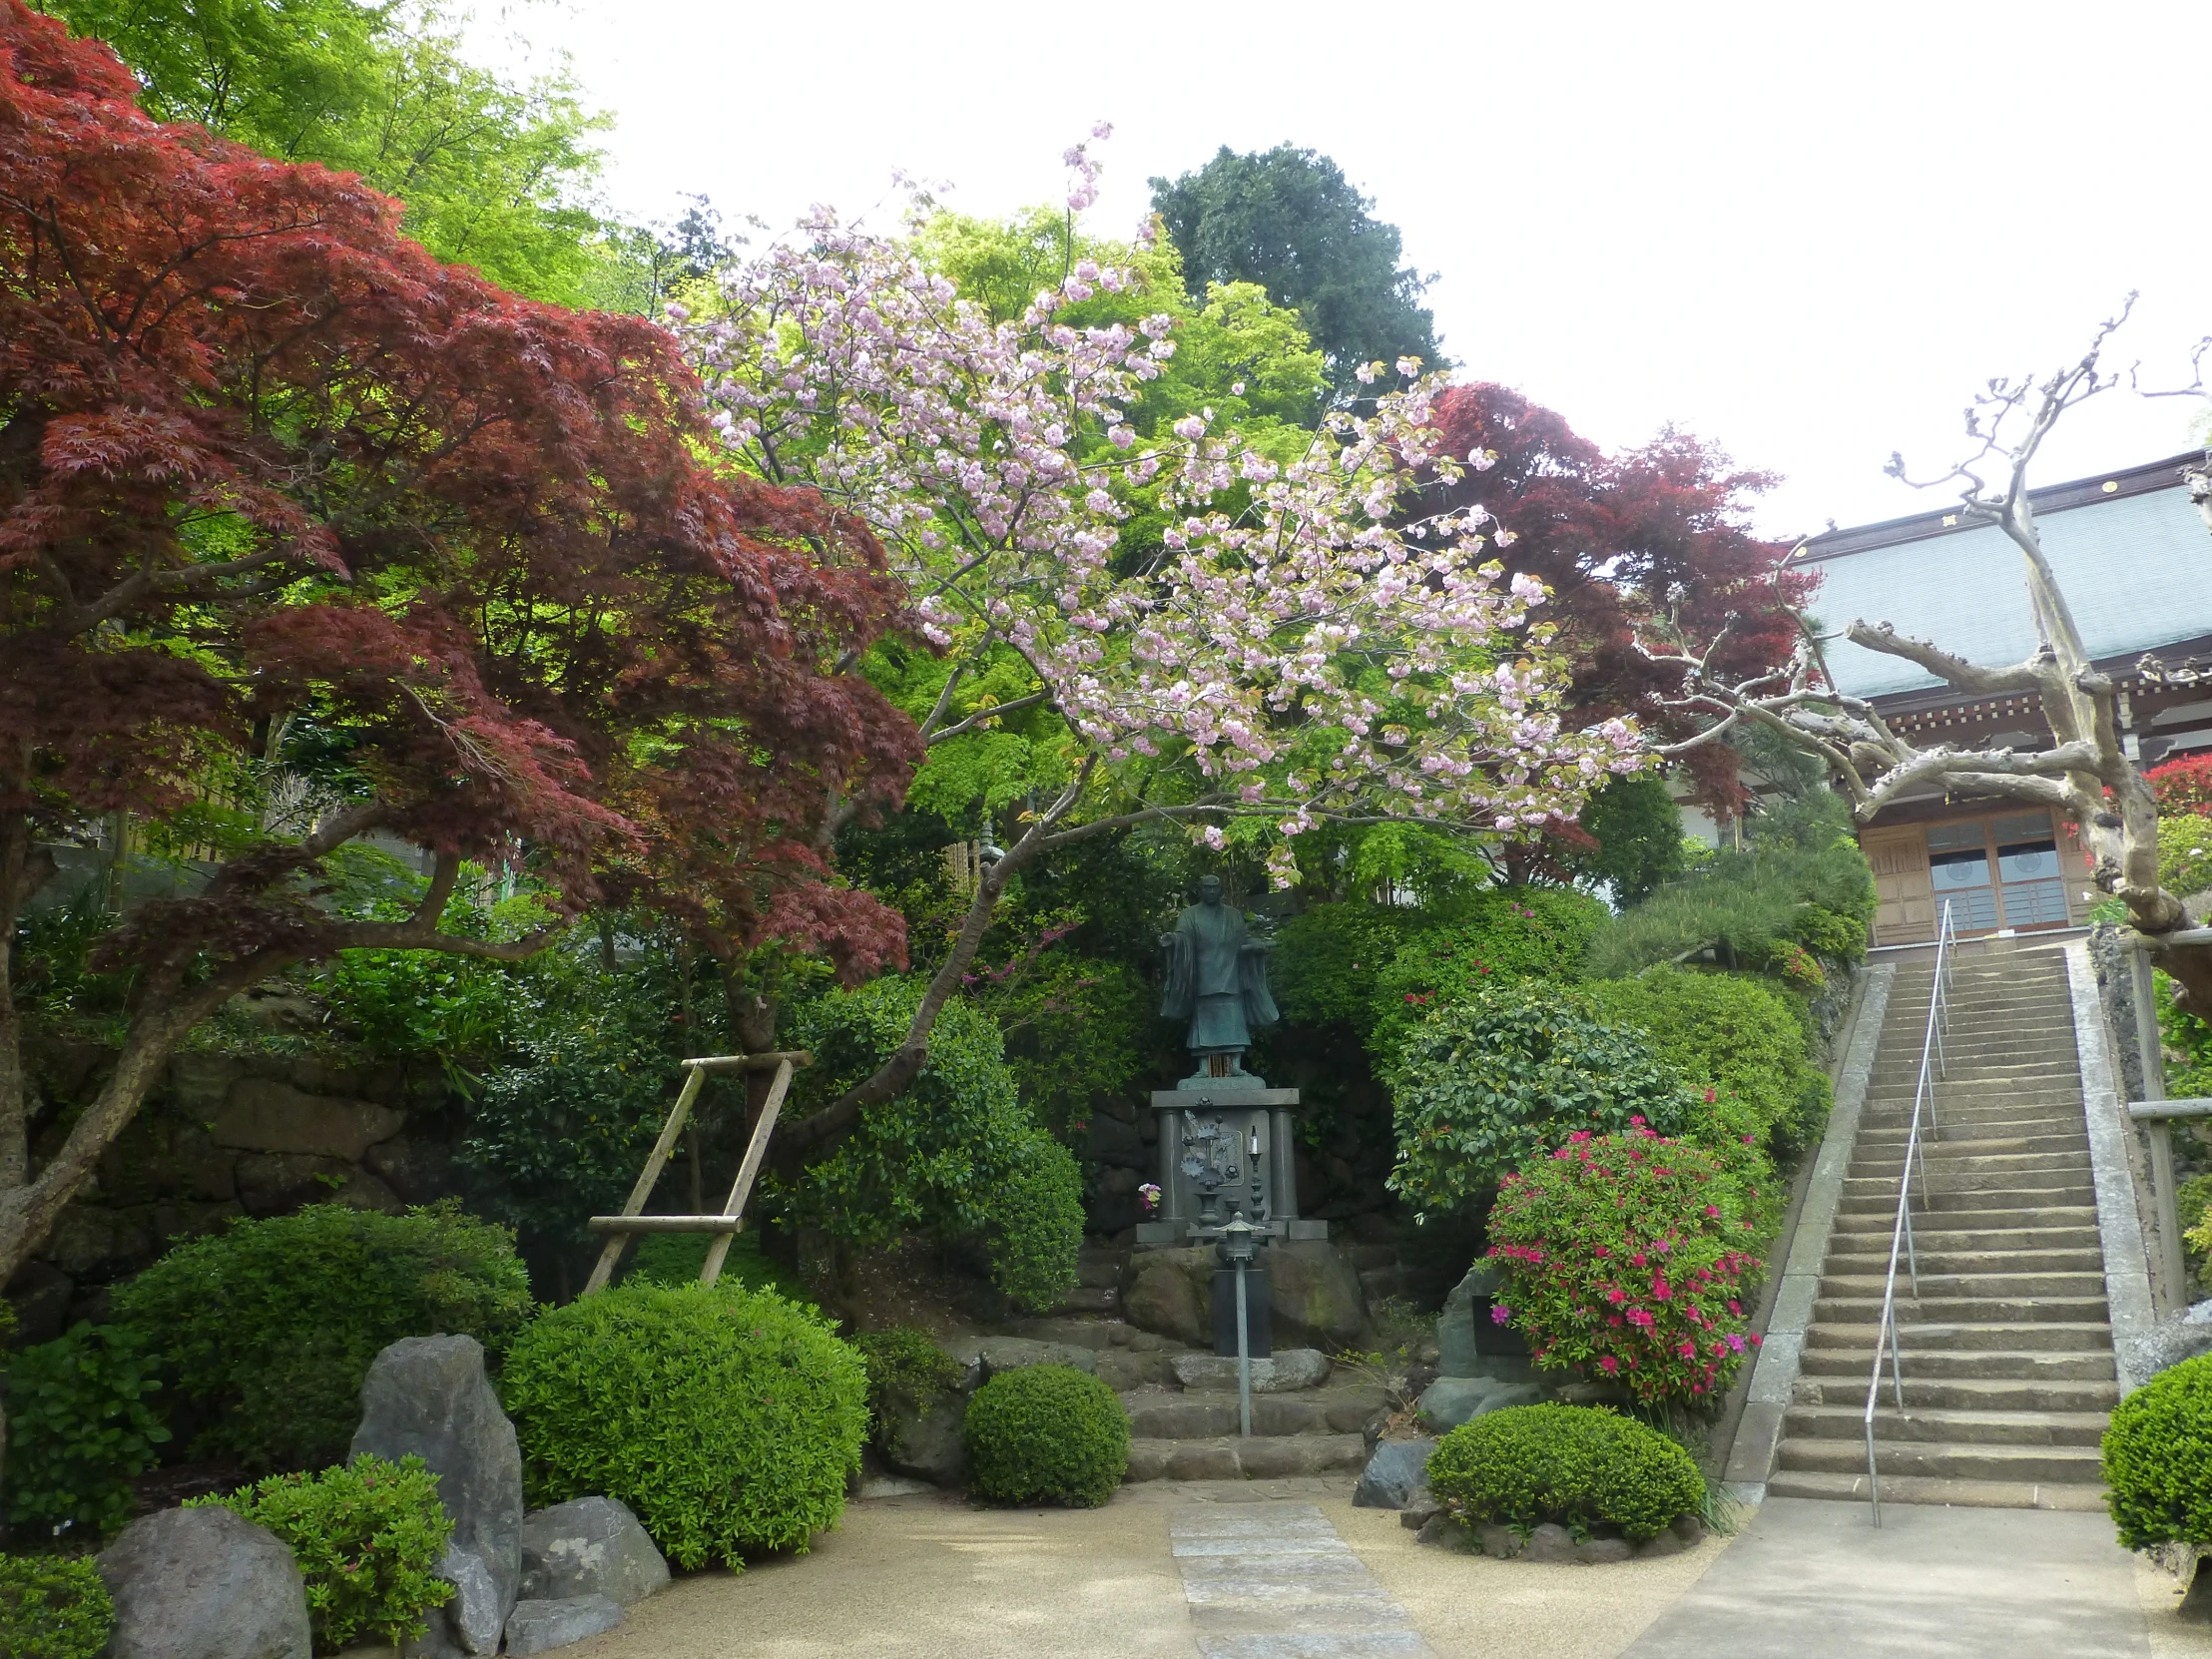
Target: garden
x=453 y=682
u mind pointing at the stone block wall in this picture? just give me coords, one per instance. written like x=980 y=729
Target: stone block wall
x=224 y=1135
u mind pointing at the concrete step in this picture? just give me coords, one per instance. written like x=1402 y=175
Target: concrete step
x=1962 y=1393
x=1866 y=1264
x=1948 y=1158
x=1965 y=1494
x=1955 y=1195
x=1946 y=1460
x=1263 y=1458
x=1950 y=1427
x=1930 y=1340
x=1976 y=1287
x=1964 y=1104
x=1938 y=1227
x=1174 y=1414
x=1952 y=1311
x=1853 y=1362
x=1975 y=1140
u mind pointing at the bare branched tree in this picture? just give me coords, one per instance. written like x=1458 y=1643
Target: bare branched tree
x=2086 y=774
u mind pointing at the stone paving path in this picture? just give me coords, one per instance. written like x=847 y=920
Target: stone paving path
x=1275 y=1581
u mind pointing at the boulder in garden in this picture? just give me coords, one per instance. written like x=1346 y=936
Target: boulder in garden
x=1397 y=1476
x=428 y=1398
x=539 y=1626
x=585 y=1547
x=204 y=1584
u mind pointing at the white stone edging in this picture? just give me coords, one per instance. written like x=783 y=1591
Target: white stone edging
x=2128 y=1296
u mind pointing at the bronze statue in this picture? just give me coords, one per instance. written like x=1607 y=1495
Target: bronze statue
x=1218 y=980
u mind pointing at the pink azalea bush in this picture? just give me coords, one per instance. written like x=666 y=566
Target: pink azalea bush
x=1629 y=1257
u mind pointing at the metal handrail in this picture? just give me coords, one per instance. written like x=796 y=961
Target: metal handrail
x=1901 y=1236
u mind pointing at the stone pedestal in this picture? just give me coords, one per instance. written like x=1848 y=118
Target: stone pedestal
x=1208 y=1171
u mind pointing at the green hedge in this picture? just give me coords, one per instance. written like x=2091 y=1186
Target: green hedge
x=365 y=1535
x=271 y=1325
x=2158 y=1458
x=1046 y=1435
x=1581 y=1466
x=53 y=1608
x=1487 y=1085
x=1745 y=1038
x=727 y=1419
x=81 y=1423
x=907 y=1372
x=956 y=1156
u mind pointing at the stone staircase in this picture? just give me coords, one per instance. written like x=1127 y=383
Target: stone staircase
x=1179 y=1434
x=2007 y=1348
x=1097 y=1291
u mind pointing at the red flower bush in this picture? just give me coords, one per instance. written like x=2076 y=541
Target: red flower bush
x=2182 y=787
x=1627 y=1255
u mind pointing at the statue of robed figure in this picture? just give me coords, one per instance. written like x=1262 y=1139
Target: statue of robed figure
x=1218 y=980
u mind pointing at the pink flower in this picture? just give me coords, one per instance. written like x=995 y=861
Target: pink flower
x=1608 y=1365
x=1499 y=1312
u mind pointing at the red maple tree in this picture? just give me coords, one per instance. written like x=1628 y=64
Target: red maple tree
x=1650 y=537
x=265 y=465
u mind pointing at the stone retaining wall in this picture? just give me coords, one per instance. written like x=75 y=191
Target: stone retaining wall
x=224 y=1135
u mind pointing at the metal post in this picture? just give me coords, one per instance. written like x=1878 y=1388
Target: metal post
x=2173 y=1267
x=1244 y=1360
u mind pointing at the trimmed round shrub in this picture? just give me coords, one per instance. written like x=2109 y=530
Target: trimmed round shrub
x=1485 y=1086
x=1625 y=1255
x=271 y=1327
x=53 y=1608
x=1046 y=1435
x=365 y=1535
x=1507 y=933
x=727 y=1419
x=2158 y=1458
x=954 y=1154
x=1581 y=1466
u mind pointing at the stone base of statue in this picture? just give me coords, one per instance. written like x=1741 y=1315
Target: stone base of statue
x=1228 y=1147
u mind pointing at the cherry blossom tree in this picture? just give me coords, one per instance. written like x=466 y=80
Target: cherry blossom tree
x=1298 y=649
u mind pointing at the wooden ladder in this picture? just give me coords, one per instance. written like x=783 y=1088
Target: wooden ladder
x=724 y=1227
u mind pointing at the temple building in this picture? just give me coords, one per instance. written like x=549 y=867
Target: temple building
x=2132 y=552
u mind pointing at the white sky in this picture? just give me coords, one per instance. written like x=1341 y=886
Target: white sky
x=1805 y=232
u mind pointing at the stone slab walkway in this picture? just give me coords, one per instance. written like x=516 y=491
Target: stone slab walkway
x=1810 y=1580
x=1276 y=1581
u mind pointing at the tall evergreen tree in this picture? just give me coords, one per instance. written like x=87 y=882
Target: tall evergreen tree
x=1290 y=221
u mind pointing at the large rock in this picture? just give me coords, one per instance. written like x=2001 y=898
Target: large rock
x=1397 y=1476
x=1313 y=1295
x=585 y=1547
x=428 y=1398
x=930 y=1447
x=204 y=1584
x=983 y=1358
x=1451 y=1401
x=1286 y=1372
x=2175 y=1338
x=264 y=1115
x=273 y=1183
x=538 y=1626
x=1456 y=1338
x=1316 y=1296
x=1158 y=1295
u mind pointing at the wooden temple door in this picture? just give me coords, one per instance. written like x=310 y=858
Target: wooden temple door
x=1903 y=885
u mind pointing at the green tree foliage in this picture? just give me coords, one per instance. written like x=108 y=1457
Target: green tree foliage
x=1581 y=1466
x=2185 y=852
x=1638 y=829
x=907 y=1372
x=271 y=1327
x=728 y=1420
x=494 y=175
x=79 y=1423
x=366 y=1535
x=1046 y=1435
x=1489 y=1084
x=1801 y=892
x=954 y=1155
x=1742 y=1037
x=1288 y=220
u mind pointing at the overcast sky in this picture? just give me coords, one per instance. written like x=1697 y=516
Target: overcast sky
x=1807 y=233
